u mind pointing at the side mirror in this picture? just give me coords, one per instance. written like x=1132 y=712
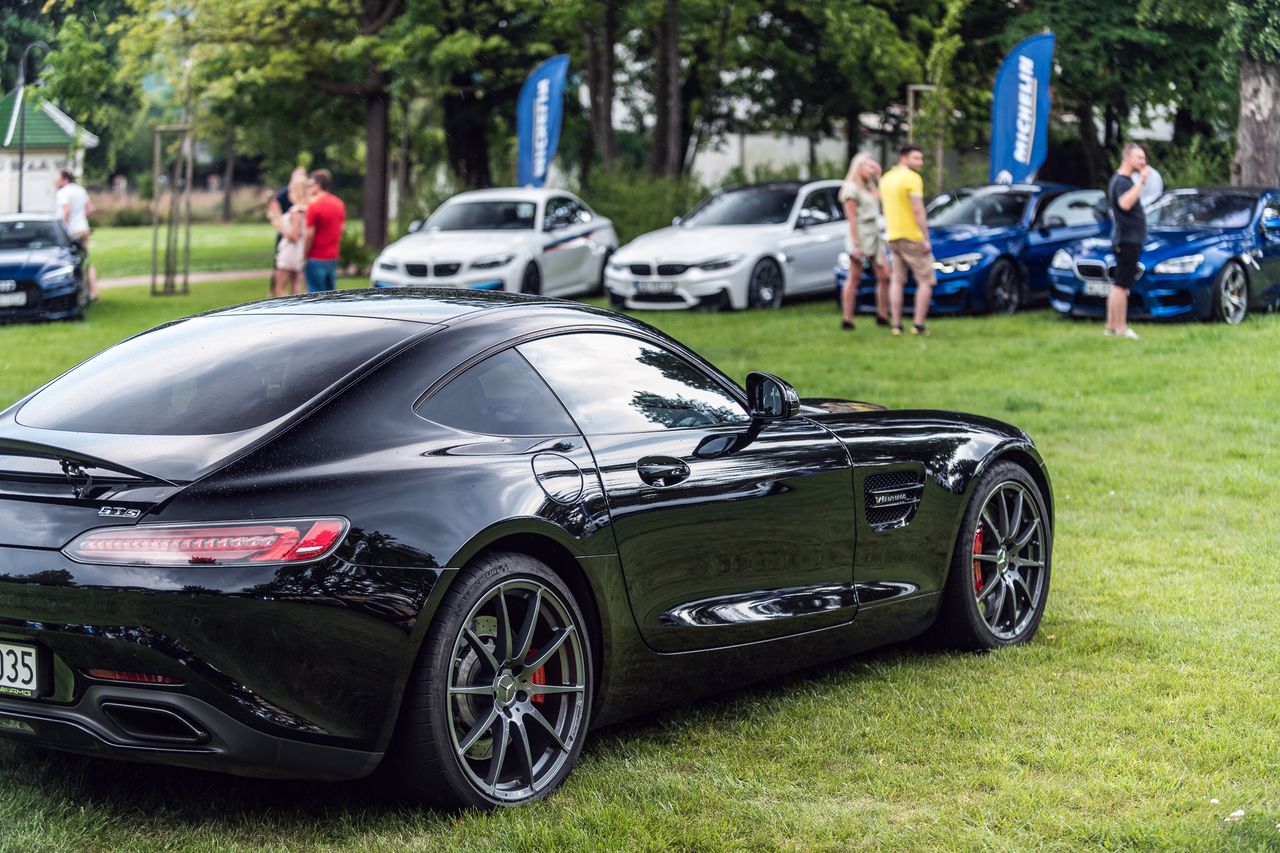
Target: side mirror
x=676 y=220
x=1055 y=222
x=770 y=398
x=805 y=221
x=415 y=226
x=1270 y=219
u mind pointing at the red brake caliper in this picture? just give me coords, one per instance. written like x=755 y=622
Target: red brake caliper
x=539 y=677
x=977 y=566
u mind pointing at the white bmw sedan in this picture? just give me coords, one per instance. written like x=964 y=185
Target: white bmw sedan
x=521 y=240
x=741 y=247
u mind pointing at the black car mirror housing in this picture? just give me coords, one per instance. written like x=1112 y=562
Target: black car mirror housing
x=770 y=398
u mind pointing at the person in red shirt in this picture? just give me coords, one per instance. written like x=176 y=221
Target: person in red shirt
x=325 y=217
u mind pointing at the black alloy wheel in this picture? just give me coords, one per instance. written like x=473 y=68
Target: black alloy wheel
x=531 y=281
x=600 y=287
x=1231 y=295
x=765 y=287
x=1004 y=287
x=499 y=704
x=999 y=579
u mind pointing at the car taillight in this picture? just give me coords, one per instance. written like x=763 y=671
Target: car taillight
x=130 y=677
x=235 y=544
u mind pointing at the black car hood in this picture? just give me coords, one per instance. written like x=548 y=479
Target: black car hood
x=14 y=261
x=817 y=407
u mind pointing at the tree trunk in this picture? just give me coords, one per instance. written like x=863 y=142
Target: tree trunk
x=600 y=40
x=662 y=116
x=466 y=139
x=1257 y=161
x=674 y=105
x=229 y=175
x=402 y=174
x=852 y=133
x=376 y=131
x=1094 y=158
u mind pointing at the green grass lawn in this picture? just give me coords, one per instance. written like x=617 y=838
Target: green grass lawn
x=215 y=247
x=1144 y=713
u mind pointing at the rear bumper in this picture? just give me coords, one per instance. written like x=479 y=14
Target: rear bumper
x=113 y=722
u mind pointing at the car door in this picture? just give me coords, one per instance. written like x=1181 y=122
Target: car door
x=1060 y=220
x=815 y=242
x=565 y=251
x=1268 y=252
x=728 y=531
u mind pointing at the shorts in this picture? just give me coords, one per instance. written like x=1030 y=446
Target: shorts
x=1127 y=264
x=912 y=255
x=321 y=275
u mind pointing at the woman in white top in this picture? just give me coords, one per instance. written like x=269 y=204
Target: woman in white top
x=291 y=253
x=860 y=195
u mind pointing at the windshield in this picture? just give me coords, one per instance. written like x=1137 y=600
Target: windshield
x=210 y=375
x=1196 y=210
x=750 y=206
x=484 y=216
x=990 y=210
x=30 y=234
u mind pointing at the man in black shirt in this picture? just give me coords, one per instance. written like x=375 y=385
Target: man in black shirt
x=1128 y=233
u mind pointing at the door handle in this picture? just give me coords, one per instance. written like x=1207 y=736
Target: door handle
x=661 y=470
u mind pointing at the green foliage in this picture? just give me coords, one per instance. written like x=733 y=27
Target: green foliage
x=353 y=256
x=638 y=203
x=1254 y=28
x=1197 y=162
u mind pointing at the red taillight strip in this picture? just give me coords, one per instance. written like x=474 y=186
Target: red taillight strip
x=131 y=677
x=217 y=544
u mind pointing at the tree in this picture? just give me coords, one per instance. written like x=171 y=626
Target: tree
x=1255 y=32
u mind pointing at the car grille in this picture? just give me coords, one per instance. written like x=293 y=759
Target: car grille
x=659 y=298
x=672 y=269
x=892 y=498
x=1097 y=271
x=641 y=269
x=443 y=270
x=416 y=270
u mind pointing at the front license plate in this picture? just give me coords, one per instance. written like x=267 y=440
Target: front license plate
x=13 y=300
x=19 y=670
x=655 y=286
x=1097 y=288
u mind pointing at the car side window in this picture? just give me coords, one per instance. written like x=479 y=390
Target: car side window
x=501 y=395
x=818 y=208
x=1071 y=209
x=615 y=384
x=560 y=212
x=833 y=198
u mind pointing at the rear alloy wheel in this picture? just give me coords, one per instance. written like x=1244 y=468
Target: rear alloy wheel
x=999 y=578
x=1004 y=287
x=531 y=281
x=765 y=287
x=1231 y=295
x=500 y=703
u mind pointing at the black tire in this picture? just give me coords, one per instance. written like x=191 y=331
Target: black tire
x=445 y=738
x=989 y=563
x=531 y=281
x=617 y=301
x=1230 y=294
x=1006 y=291
x=600 y=288
x=765 y=287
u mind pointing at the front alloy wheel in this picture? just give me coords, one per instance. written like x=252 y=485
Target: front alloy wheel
x=1231 y=295
x=765 y=287
x=1004 y=288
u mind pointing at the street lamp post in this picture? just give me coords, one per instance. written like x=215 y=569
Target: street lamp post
x=22 y=115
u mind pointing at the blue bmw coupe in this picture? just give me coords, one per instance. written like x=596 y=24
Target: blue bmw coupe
x=993 y=245
x=42 y=270
x=1211 y=253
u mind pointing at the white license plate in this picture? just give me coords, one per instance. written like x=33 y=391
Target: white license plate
x=13 y=300
x=19 y=670
x=1097 y=288
x=655 y=287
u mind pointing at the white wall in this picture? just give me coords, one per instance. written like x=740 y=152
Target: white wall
x=38 y=189
x=749 y=151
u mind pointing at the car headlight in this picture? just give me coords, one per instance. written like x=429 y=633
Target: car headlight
x=1061 y=260
x=1179 y=266
x=59 y=275
x=843 y=262
x=721 y=263
x=491 y=262
x=389 y=266
x=617 y=266
x=959 y=263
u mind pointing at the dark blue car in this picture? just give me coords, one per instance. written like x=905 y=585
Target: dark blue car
x=1211 y=253
x=993 y=245
x=41 y=270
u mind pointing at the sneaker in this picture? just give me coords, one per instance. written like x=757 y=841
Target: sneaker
x=882 y=321
x=897 y=330
x=1108 y=333
x=847 y=325
x=1128 y=333
x=919 y=329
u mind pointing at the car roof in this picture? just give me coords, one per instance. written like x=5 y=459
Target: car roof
x=28 y=217
x=510 y=193
x=1218 y=188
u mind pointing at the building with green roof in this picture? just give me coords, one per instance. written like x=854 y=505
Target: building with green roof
x=53 y=142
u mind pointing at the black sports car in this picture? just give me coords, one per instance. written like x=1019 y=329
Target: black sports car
x=42 y=270
x=447 y=533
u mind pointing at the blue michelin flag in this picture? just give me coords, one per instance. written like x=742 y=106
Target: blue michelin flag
x=1020 y=111
x=538 y=115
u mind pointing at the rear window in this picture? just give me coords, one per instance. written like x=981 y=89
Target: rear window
x=210 y=375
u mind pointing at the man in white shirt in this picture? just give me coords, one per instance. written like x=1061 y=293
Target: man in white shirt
x=73 y=208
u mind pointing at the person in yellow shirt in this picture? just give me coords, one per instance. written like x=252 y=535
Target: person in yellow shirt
x=902 y=194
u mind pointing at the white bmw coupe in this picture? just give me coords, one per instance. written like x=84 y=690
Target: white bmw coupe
x=742 y=246
x=521 y=240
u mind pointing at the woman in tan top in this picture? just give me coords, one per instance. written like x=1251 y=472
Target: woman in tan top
x=291 y=254
x=860 y=195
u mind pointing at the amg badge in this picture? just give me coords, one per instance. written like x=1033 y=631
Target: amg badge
x=119 y=512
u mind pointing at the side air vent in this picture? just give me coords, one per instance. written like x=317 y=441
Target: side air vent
x=892 y=498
